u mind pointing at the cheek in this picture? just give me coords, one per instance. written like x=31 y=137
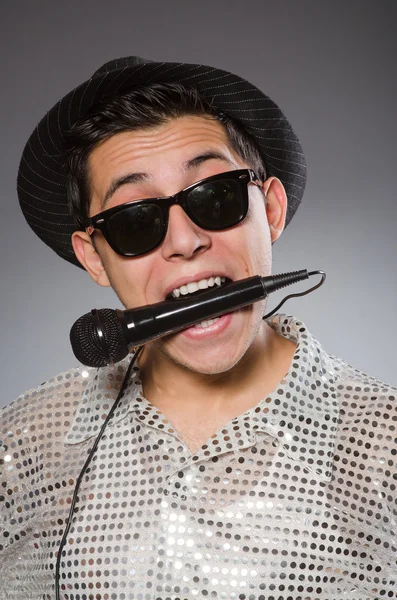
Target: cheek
x=260 y=250
x=128 y=277
x=257 y=236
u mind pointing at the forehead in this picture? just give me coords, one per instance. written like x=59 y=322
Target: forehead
x=172 y=142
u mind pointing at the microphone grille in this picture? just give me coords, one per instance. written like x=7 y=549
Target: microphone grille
x=87 y=346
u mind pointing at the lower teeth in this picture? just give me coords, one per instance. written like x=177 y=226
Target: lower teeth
x=207 y=323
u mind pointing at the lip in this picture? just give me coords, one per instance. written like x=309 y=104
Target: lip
x=198 y=333
x=191 y=278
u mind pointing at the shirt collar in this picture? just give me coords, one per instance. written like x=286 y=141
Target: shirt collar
x=302 y=413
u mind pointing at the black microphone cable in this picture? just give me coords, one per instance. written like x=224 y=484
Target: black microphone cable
x=84 y=469
x=323 y=278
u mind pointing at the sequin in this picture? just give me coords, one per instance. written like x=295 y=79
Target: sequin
x=295 y=499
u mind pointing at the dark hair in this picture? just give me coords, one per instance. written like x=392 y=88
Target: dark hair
x=142 y=108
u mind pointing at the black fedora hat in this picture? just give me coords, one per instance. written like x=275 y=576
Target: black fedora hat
x=42 y=172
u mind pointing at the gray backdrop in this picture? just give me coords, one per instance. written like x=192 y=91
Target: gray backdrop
x=329 y=65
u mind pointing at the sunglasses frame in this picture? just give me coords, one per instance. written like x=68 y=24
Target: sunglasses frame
x=101 y=220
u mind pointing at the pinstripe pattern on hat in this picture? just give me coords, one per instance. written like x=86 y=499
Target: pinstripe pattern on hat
x=41 y=180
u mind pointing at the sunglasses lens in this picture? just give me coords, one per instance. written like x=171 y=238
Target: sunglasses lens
x=218 y=204
x=137 y=229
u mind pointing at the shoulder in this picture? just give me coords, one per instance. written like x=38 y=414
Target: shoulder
x=367 y=432
x=49 y=409
x=361 y=393
x=38 y=419
x=31 y=429
x=41 y=417
x=34 y=452
x=57 y=396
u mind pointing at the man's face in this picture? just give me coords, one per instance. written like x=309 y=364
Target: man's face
x=171 y=157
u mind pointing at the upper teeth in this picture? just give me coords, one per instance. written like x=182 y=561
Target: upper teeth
x=203 y=284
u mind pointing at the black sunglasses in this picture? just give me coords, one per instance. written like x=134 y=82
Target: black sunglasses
x=215 y=203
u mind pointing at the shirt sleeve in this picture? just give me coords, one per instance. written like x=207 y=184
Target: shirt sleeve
x=32 y=432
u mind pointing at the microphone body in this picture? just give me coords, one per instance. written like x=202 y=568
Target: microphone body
x=142 y=325
x=107 y=336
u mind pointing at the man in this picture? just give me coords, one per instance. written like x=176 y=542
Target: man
x=241 y=461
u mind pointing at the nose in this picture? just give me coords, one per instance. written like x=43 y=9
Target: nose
x=183 y=239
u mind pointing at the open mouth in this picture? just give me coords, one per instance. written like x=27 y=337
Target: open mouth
x=197 y=287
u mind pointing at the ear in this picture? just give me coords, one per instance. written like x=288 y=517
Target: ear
x=89 y=257
x=276 y=206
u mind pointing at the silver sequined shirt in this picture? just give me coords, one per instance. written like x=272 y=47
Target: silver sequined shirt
x=295 y=499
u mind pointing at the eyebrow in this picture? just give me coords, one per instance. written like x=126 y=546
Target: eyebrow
x=142 y=177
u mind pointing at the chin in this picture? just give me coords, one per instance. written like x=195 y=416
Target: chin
x=208 y=361
x=206 y=367
x=214 y=354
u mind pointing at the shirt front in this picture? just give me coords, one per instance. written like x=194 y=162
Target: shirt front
x=295 y=499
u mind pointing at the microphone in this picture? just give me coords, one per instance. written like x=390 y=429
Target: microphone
x=106 y=336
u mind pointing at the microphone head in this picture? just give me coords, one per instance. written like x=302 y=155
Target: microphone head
x=87 y=345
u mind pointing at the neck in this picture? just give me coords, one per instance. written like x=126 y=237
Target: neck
x=167 y=384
